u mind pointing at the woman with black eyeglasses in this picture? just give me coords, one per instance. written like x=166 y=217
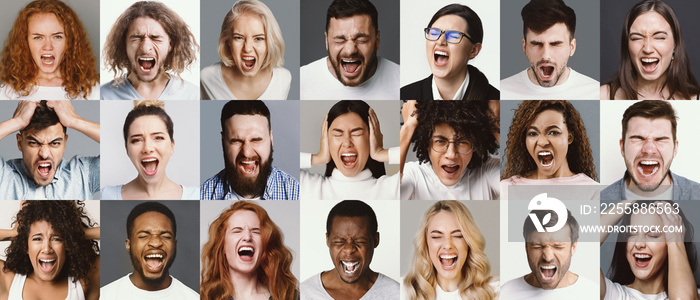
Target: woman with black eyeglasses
x=453 y=37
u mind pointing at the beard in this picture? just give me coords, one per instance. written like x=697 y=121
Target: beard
x=552 y=82
x=138 y=268
x=368 y=68
x=133 y=70
x=245 y=185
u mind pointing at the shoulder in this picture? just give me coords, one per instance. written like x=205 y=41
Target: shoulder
x=315 y=65
x=111 y=192
x=208 y=188
x=114 y=286
x=682 y=180
x=282 y=175
x=389 y=65
x=386 y=281
x=581 y=78
x=190 y=192
x=282 y=73
x=515 y=78
x=210 y=72
x=182 y=288
x=417 y=90
x=512 y=285
x=605 y=92
x=311 y=285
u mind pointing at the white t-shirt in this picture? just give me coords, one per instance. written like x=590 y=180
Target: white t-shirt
x=317 y=83
x=616 y=291
x=576 y=87
x=454 y=295
x=214 y=87
x=383 y=288
x=175 y=89
x=46 y=93
x=114 y=192
x=122 y=289
x=519 y=289
x=419 y=182
x=667 y=194
x=75 y=288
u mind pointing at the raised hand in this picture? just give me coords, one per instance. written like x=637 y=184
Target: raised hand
x=376 y=139
x=324 y=154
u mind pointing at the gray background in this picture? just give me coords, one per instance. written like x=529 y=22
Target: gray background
x=113 y=236
x=284 y=116
x=87 y=10
x=589 y=111
x=77 y=143
x=485 y=214
x=313 y=25
x=612 y=17
x=313 y=113
x=587 y=33
x=183 y=167
x=284 y=213
x=287 y=14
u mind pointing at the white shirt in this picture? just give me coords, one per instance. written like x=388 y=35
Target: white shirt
x=667 y=194
x=124 y=289
x=46 y=93
x=576 y=87
x=518 y=288
x=317 y=83
x=114 y=192
x=75 y=289
x=458 y=95
x=383 y=288
x=214 y=87
x=175 y=89
x=419 y=182
x=615 y=291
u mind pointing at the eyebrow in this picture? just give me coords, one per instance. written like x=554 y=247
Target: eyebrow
x=359 y=35
x=351 y=130
x=141 y=36
x=58 y=139
x=140 y=134
x=147 y=231
x=239 y=227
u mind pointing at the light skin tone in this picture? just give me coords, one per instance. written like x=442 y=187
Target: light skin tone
x=42 y=150
x=351 y=246
x=450 y=165
x=410 y=122
x=548 y=52
x=549 y=256
x=648 y=149
x=247 y=141
x=47 y=45
x=243 y=248
x=149 y=147
x=448 y=62
x=151 y=246
x=650 y=253
x=147 y=47
x=245 y=78
x=447 y=248
x=352 y=45
x=348 y=142
x=547 y=140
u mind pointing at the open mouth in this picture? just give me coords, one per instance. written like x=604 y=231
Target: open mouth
x=546 y=158
x=450 y=169
x=47 y=265
x=150 y=166
x=147 y=63
x=248 y=62
x=642 y=260
x=44 y=169
x=548 y=272
x=441 y=58
x=649 y=65
x=349 y=267
x=246 y=253
x=248 y=167
x=154 y=261
x=351 y=65
x=648 y=167
x=448 y=261
x=349 y=159
x=546 y=72
x=48 y=59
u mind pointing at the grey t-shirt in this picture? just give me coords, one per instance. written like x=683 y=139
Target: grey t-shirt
x=383 y=288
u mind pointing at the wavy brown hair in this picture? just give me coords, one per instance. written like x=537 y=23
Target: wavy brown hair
x=274 y=270
x=69 y=220
x=184 y=47
x=78 y=70
x=518 y=160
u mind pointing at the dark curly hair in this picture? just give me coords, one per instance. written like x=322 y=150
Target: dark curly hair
x=518 y=160
x=69 y=220
x=471 y=120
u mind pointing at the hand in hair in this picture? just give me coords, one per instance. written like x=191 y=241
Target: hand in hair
x=70 y=119
x=670 y=220
x=324 y=153
x=410 y=123
x=24 y=112
x=376 y=139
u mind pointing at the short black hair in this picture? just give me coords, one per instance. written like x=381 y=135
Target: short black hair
x=352 y=208
x=471 y=120
x=340 y=9
x=244 y=107
x=43 y=117
x=148 y=207
x=475 y=29
x=529 y=227
x=540 y=15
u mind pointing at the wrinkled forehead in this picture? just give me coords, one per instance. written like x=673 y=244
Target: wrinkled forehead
x=562 y=235
x=649 y=127
x=49 y=133
x=148 y=26
x=558 y=32
x=247 y=124
x=351 y=26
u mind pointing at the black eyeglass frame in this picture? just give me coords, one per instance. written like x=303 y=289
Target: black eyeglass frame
x=461 y=35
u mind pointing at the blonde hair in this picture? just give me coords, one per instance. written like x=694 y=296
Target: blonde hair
x=421 y=280
x=274 y=56
x=146 y=103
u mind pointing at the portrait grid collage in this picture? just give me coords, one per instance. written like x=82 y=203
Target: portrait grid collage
x=590 y=205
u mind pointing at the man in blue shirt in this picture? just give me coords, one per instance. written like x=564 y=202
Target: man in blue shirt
x=42 y=173
x=246 y=137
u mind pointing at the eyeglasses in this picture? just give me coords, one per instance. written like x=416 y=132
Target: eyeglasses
x=441 y=145
x=452 y=36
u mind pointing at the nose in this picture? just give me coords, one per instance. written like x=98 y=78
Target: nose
x=448 y=244
x=647 y=46
x=546 y=52
x=346 y=141
x=247 y=46
x=44 y=152
x=548 y=254
x=451 y=151
x=46 y=247
x=649 y=147
x=542 y=140
x=348 y=247
x=146 y=45
x=247 y=149
x=247 y=235
x=349 y=48
x=155 y=241
x=147 y=146
x=442 y=40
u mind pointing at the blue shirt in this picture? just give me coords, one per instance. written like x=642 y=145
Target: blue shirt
x=176 y=89
x=280 y=186
x=75 y=179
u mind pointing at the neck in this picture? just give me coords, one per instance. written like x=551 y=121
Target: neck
x=449 y=285
x=449 y=86
x=245 y=286
x=60 y=281
x=666 y=184
x=563 y=171
x=139 y=282
x=563 y=78
x=148 y=88
x=153 y=189
x=649 y=286
x=653 y=89
x=49 y=79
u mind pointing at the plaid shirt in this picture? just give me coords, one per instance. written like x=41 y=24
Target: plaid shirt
x=280 y=186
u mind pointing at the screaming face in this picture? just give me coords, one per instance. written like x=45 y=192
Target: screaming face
x=646 y=252
x=549 y=256
x=648 y=149
x=247 y=143
x=449 y=166
x=249 y=44
x=548 y=52
x=352 y=45
x=151 y=246
x=349 y=143
x=149 y=147
x=47 y=42
x=547 y=140
x=42 y=151
x=46 y=251
x=147 y=47
x=651 y=46
x=351 y=246
x=447 y=60
x=243 y=242
x=447 y=248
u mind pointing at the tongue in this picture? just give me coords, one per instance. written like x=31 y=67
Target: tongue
x=153 y=263
x=147 y=64
x=249 y=167
x=547 y=71
x=351 y=67
x=450 y=169
x=447 y=261
x=441 y=59
x=46 y=265
x=647 y=169
x=350 y=267
x=249 y=63
x=44 y=170
x=150 y=166
x=546 y=159
x=548 y=272
x=649 y=67
x=349 y=159
x=47 y=60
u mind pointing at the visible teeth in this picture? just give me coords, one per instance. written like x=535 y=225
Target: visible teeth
x=45 y=165
x=154 y=256
x=544 y=153
x=247 y=162
x=147 y=59
x=249 y=58
x=649 y=162
x=446 y=256
x=149 y=160
x=47 y=260
x=443 y=53
x=349 y=61
x=47 y=55
x=548 y=267
x=350 y=264
x=246 y=249
x=642 y=256
x=348 y=154
x=650 y=60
